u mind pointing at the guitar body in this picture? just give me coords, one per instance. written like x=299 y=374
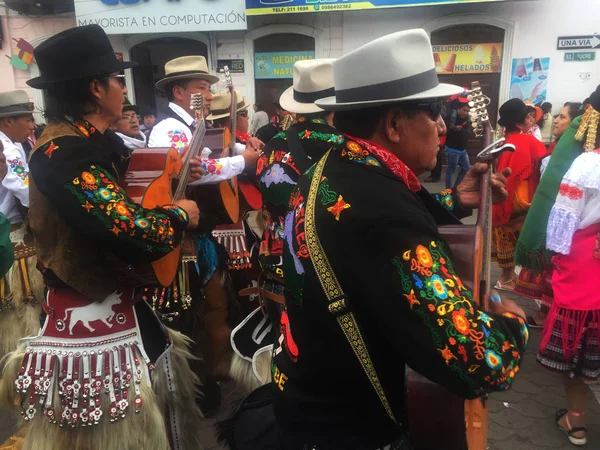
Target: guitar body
x=149 y=181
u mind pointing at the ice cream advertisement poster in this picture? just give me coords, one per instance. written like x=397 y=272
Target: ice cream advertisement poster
x=467 y=58
x=529 y=79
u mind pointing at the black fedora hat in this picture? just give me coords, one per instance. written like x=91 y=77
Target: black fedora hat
x=79 y=52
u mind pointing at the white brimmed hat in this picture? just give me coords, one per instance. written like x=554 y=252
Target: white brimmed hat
x=15 y=103
x=313 y=79
x=394 y=68
x=185 y=68
x=221 y=102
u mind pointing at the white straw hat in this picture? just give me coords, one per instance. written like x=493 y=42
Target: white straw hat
x=313 y=79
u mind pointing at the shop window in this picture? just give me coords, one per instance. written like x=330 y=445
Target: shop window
x=152 y=56
x=462 y=62
x=268 y=90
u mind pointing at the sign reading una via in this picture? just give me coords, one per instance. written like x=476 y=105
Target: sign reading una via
x=578 y=42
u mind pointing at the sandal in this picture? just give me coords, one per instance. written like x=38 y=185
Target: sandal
x=531 y=323
x=574 y=440
x=502 y=285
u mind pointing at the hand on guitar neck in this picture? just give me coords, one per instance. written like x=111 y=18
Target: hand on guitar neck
x=253 y=150
x=469 y=190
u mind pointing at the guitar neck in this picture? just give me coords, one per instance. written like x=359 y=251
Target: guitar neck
x=194 y=150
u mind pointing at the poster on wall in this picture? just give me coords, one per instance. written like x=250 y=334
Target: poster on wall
x=467 y=58
x=158 y=16
x=529 y=79
x=278 y=64
x=257 y=7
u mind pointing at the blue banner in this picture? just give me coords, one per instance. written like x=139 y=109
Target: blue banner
x=257 y=7
x=278 y=64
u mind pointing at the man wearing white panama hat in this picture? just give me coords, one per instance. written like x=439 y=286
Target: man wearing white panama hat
x=363 y=240
x=185 y=76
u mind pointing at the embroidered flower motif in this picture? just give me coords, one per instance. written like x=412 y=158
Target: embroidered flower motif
x=452 y=341
x=178 y=139
x=18 y=168
x=447 y=354
x=572 y=192
x=212 y=166
x=52 y=147
x=439 y=287
x=418 y=281
x=493 y=360
x=412 y=299
x=424 y=256
x=107 y=201
x=431 y=307
x=485 y=318
x=339 y=206
x=460 y=321
x=353 y=147
x=370 y=161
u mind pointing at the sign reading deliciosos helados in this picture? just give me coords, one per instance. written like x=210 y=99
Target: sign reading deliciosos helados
x=159 y=16
x=467 y=58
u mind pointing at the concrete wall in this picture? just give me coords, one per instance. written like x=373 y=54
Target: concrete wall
x=537 y=25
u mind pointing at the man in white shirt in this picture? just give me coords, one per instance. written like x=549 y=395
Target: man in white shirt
x=16 y=125
x=21 y=295
x=128 y=127
x=185 y=76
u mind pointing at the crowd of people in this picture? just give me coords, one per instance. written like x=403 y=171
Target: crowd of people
x=327 y=278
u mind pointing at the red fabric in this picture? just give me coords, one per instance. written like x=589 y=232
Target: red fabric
x=575 y=290
x=242 y=136
x=524 y=162
x=392 y=162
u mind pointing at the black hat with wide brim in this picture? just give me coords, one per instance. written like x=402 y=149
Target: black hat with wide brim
x=76 y=53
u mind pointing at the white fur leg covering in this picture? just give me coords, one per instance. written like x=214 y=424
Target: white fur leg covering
x=176 y=387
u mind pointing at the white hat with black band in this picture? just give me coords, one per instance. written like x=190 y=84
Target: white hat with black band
x=394 y=68
x=313 y=79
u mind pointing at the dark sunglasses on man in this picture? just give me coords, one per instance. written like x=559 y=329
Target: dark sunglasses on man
x=433 y=107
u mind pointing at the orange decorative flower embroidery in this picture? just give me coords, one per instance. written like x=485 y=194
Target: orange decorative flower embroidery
x=339 y=206
x=51 y=149
x=447 y=354
x=461 y=322
x=424 y=256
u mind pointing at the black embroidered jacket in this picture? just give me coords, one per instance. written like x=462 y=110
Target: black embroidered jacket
x=378 y=228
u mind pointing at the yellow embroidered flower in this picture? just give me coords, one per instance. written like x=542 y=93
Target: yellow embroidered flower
x=440 y=322
x=353 y=147
x=424 y=256
x=122 y=209
x=406 y=255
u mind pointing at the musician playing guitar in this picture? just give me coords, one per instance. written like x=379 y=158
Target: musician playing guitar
x=371 y=284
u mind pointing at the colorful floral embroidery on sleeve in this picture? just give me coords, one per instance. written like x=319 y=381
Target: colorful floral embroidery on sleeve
x=105 y=200
x=466 y=338
x=18 y=168
x=212 y=166
x=446 y=199
x=178 y=139
x=179 y=212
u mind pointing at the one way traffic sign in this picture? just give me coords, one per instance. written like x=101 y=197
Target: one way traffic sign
x=578 y=42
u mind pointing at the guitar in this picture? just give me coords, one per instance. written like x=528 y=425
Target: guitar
x=461 y=424
x=220 y=201
x=149 y=181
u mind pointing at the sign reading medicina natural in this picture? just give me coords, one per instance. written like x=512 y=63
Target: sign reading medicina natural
x=278 y=64
x=159 y=16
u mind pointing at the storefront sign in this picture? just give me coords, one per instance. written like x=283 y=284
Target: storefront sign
x=234 y=65
x=580 y=56
x=467 y=58
x=278 y=64
x=158 y=16
x=578 y=42
x=256 y=7
x=529 y=79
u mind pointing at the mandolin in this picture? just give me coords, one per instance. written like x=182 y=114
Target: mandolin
x=149 y=181
x=460 y=424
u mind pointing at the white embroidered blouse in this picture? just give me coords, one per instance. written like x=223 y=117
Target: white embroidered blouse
x=577 y=204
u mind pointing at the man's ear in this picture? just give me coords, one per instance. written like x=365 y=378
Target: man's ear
x=96 y=89
x=177 y=93
x=394 y=124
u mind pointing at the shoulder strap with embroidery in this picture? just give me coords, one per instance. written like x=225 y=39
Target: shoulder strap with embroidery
x=301 y=159
x=338 y=304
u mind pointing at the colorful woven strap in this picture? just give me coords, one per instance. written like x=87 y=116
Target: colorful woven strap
x=335 y=295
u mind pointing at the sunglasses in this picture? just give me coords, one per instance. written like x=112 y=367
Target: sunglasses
x=433 y=107
x=120 y=79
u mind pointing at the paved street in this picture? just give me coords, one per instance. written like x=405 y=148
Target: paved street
x=521 y=419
